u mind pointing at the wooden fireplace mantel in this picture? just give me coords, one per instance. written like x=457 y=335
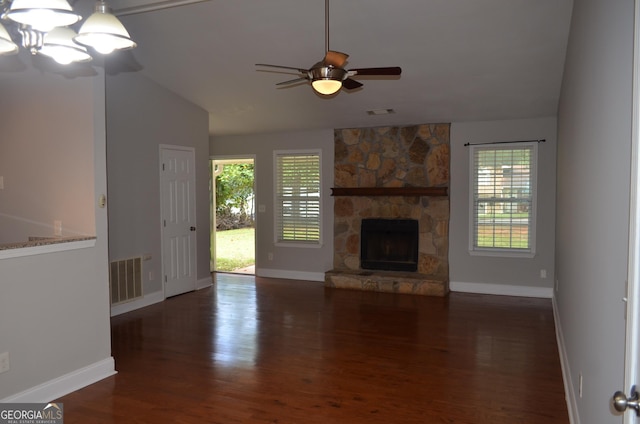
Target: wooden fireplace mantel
x=390 y=191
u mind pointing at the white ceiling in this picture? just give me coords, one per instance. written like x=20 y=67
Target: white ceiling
x=462 y=60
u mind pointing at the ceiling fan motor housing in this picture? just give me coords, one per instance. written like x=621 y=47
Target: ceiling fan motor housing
x=327 y=72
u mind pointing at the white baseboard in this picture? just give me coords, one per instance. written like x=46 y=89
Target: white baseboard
x=502 y=289
x=148 y=299
x=58 y=387
x=570 y=395
x=204 y=283
x=290 y=275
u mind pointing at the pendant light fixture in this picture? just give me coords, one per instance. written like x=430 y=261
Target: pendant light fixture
x=42 y=15
x=58 y=44
x=41 y=26
x=104 y=32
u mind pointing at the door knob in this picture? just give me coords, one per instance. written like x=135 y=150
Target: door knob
x=192 y=228
x=621 y=402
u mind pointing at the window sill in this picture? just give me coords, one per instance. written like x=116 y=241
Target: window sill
x=297 y=245
x=502 y=254
x=43 y=246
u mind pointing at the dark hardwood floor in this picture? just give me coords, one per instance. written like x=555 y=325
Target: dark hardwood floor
x=255 y=350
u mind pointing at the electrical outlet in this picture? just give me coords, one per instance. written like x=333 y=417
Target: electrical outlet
x=543 y=273
x=270 y=256
x=4 y=362
x=1 y=183
x=151 y=276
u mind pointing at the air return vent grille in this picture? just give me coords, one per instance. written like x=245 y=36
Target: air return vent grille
x=125 y=280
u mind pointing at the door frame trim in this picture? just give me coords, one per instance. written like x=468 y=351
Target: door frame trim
x=632 y=338
x=212 y=193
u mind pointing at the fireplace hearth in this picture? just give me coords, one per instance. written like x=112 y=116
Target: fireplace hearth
x=389 y=244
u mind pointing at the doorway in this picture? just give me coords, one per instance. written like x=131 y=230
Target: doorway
x=233 y=217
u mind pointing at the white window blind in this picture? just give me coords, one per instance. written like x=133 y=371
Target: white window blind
x=503 y=198
x=298 y=197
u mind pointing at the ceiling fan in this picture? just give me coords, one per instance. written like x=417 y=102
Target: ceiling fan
x=329 y=75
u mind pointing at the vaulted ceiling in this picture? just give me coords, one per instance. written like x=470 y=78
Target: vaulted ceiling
x=462 y=60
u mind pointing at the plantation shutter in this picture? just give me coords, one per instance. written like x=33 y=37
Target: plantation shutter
x=503 y=196
x=298 y=198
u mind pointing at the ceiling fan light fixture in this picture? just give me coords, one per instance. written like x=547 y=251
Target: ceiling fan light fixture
x=326 y=87
x=42 y=15
x=104 y=32
x=327 y=80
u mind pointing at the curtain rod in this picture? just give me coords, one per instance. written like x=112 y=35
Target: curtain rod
x=506 y=142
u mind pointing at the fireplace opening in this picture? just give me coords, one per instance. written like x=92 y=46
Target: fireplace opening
x=389 y=244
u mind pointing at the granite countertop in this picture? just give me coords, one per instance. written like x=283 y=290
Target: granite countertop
x=43 y=241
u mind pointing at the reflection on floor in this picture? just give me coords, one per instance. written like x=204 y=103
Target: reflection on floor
x=259 y=350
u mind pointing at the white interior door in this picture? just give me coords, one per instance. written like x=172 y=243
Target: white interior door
x=177 y=193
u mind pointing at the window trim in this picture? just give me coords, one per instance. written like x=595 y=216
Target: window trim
x=297 y=243
x=495 y=251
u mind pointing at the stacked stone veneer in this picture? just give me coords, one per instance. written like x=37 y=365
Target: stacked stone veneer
x=409 y=156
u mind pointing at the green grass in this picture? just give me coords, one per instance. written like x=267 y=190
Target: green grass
x=235 y=249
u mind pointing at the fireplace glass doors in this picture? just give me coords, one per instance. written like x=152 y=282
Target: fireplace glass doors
x=389 y=244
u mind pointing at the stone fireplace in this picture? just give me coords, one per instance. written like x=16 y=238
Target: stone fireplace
x=389 y=174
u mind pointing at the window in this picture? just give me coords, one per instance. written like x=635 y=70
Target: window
x=503 y=197
x=297 y=200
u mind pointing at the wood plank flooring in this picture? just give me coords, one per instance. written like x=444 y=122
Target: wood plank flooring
x=255 y=350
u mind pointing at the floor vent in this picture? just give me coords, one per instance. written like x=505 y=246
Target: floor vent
x=125 y=280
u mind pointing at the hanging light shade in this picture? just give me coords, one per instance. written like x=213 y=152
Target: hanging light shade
x=58 y=44
x=326 y=87
x=42 y=15
x=7 y=46
x=327 y=80
x=104 y=32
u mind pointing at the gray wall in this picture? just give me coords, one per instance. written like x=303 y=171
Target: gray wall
x=41 y=155
x=499 y=275
x=54 y=307
x=136 y=126
x=288 y=262
x=594 y=147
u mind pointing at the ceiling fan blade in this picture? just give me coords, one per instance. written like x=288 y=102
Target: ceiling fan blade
x=293 y=81
x=337 y=59
x=302 y=71
x=350 y=84
x=394 y=70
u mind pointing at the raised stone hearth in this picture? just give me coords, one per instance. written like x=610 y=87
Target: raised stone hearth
x=392 y=173
x=386 y=282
